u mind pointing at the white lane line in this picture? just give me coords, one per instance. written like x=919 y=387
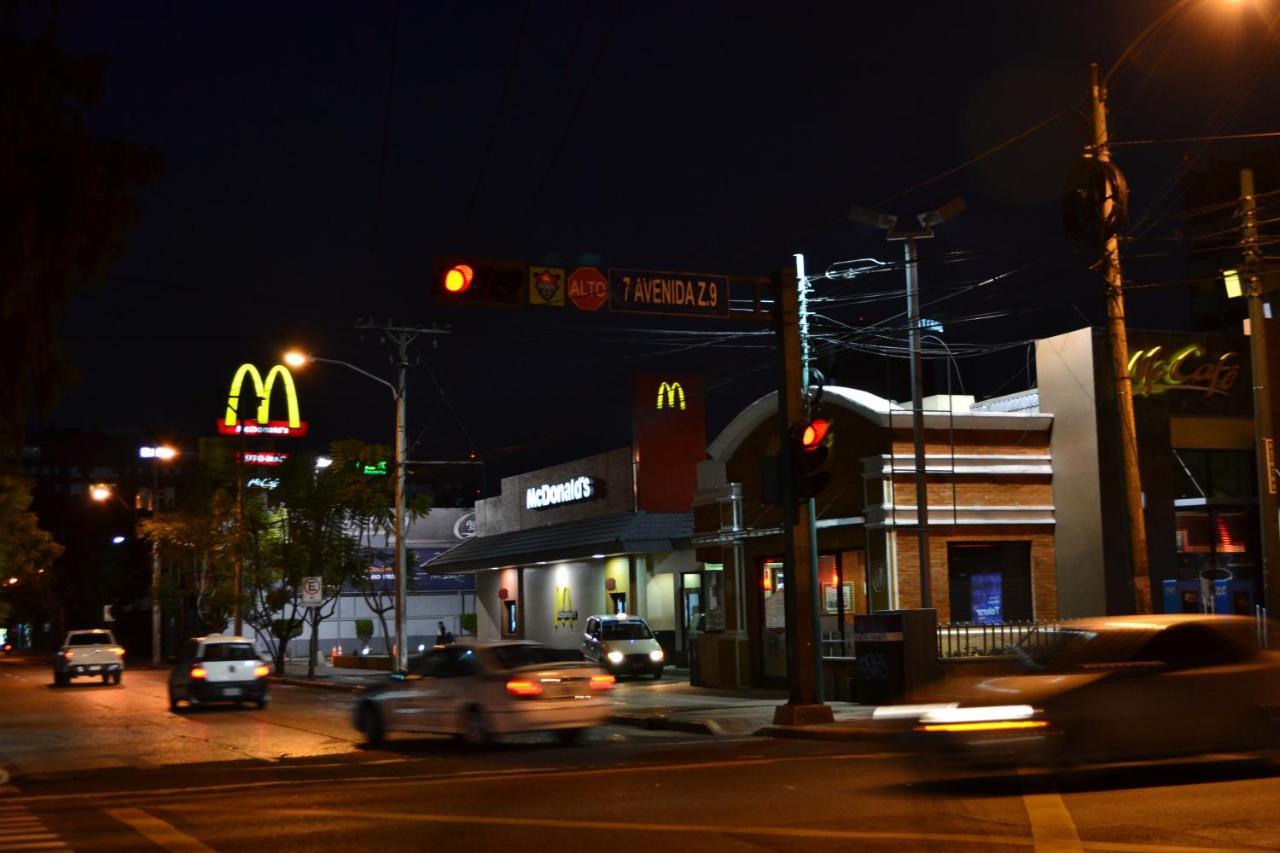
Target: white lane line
x=1051 y=825
x=38 y=845
x=158 y=832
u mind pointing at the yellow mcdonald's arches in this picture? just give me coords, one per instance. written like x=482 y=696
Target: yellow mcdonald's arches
x=673 y=392
x=264 y=394
x=564 y=614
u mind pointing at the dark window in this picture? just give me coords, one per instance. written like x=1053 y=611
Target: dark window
x=229 y=651
x=512 y=657
x=629 y=630
x=1192 y=646
x=511 y=623
x=989 y=582
x=94 y=639
x=428 y=664
x=1214 y=474
x=457 y=663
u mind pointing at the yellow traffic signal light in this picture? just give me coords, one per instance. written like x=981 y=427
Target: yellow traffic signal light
x=457 y=278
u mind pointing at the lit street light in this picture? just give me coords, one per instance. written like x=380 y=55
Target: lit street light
x=162 y=453
x=117 y=540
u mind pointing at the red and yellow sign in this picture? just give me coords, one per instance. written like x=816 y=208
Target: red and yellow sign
x=233 y=424
x=546 y=286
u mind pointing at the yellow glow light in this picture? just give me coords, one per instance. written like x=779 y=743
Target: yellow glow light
x=293 y=358
x=264 y=394
x=165 y=452
x=99 y=492
x=991 y=726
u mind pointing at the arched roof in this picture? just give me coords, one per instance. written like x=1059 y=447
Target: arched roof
x=875 y=409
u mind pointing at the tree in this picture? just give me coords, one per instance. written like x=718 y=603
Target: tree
x=68 y=200
x=369 y=501
x=27 y=552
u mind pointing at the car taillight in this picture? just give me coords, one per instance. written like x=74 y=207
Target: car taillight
x=261 y=670
x=199 y=672
x=67 y=654
x=117 y=650
x=602 y=682
x=520 y=687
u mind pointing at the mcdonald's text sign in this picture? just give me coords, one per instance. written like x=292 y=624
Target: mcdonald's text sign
x=239 y=404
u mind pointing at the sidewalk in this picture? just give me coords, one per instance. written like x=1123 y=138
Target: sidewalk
x=671 y=704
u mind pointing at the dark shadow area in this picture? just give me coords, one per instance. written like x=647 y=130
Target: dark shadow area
x=1106 y=777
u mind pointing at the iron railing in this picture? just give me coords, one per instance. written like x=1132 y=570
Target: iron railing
x=962 y=640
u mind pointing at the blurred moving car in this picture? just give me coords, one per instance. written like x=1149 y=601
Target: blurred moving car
x=218 y=668
x=478 y=690
x=1112 y=688
x=622 y=644
x=92 y=652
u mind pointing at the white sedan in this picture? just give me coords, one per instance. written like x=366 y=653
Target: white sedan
x=478 y=690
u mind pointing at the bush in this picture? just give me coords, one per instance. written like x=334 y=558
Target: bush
x=364 y=630
x=467 y=623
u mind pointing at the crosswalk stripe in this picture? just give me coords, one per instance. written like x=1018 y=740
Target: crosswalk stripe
x=40 y=845
x=22 y=830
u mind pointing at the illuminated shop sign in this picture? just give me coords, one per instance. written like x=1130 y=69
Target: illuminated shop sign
x=372 y=469
x=233 y=424
x=1185 y=369
x=267 y=483
x=672 y=395
x=564 y=614
x=269 y=459
x=555 y=494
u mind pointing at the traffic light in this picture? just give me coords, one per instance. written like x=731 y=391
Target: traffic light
x=492 y=282
x=811 y=456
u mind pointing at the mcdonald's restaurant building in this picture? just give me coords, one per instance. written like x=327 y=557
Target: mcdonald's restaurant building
x=989 y=473
x=608 y=533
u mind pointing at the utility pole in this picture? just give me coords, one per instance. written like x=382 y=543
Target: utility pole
x=239 y=549
x=400 y=338
x=1264 y=441
x=155 y=566
x=804 y=704
x=810 y=505
x=1100 y=150
x=917 y=420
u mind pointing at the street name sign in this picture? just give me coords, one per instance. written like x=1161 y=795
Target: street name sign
x=677 y=293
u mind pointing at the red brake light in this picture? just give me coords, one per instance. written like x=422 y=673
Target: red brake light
x=260 y=670
x=67 y=653
x=814 y=432
x=199 y=672
x=602 y=682
x=117 y=650
x=522 y=687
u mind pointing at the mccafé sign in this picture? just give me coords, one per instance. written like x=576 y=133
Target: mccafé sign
x=1188 y=369
x=555 y=494
x=233 y=423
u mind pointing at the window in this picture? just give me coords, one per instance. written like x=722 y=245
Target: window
x=511 y=619
x=632 y=629
x=989 y=582
x=513 y=657
x=1214 y=474
x=97 y=638
x=1216 y=538
x=229 y=651
x=1191 y=647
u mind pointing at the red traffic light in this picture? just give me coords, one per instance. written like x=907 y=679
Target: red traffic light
x=815 y=432
x=457 y=278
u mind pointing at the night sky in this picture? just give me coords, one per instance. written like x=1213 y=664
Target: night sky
x=318 y=155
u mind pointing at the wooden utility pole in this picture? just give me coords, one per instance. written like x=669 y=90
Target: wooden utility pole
x=1101 y=151
x=805 y=702
x=1264 y=441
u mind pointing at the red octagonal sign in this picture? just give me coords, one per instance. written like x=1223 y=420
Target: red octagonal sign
x=588 y=289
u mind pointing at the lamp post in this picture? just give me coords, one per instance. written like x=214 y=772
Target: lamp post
x=163 y=453
x=298 y=359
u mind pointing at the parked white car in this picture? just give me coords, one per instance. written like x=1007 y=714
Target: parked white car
x=91 y=653
x=478 y=690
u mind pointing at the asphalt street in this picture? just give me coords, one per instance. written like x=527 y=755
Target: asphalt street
x=97 y=767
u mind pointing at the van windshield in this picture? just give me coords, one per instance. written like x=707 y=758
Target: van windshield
x=626 y=631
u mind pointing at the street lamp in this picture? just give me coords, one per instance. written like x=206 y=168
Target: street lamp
x=295 y=358
x=162 y=453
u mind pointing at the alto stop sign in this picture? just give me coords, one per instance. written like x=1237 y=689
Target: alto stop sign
x=588 y=289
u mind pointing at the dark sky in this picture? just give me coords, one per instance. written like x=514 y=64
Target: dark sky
x=318 y=155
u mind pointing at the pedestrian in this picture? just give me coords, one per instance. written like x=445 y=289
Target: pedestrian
x=443 y=637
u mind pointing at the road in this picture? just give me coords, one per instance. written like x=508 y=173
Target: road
x=106 y=768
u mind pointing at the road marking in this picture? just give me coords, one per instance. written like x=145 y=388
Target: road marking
x=158 y=832
x=21 y=830
x=734 y=830
x=1051 y=825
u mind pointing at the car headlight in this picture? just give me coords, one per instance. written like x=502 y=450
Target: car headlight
x=615 y=657
x=982 y=718
x=656 y=655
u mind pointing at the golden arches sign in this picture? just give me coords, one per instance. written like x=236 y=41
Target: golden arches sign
x=564 y=615
x=672 y=393
x=232 y=423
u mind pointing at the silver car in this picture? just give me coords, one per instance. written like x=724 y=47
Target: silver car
x=479 y=690
x=1112 y=688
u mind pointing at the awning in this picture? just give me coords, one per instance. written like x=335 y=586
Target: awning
x=621 y=533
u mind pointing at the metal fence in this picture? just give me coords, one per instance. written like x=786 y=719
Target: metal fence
x=834 y=647
x=964 y=640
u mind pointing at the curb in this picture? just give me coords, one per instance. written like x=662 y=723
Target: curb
x=317 y=685
x=846 y=734
x=656 y=722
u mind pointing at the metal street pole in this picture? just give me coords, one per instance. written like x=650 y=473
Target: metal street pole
x=917 y=424
x=810 y=505
x=155 y=567
x=1101 y=151
x=1264 y=441
x=402 y=581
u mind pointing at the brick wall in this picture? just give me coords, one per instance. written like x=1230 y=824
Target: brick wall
x=1044 y=588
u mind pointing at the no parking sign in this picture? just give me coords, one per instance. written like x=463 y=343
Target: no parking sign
x=312 y=592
